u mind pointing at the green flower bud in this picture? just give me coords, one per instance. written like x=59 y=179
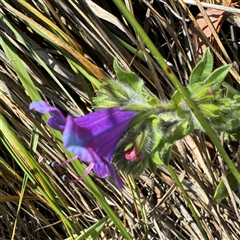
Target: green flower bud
x=132 y=153
x=202 y=94
x=210 y=110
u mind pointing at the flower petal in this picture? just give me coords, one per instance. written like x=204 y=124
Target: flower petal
x=57 y=119
x=73 y=140
x=41 y=107
x=56 y=123
x=106 y=127
x=115 y=177
x=132 y=155
x=101 y=170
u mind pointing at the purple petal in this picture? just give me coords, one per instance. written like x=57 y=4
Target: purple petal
x=115 y=177
x=56 y=123
x=101 y=170
x=57 y=119
x=41 y=107
x=73 y=142
x=96 y=135
x=106 y=127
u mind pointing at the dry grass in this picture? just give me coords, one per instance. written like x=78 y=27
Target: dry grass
x=154 y=208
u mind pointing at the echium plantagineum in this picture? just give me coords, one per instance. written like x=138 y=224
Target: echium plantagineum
x=133 y=130
x=91 y=138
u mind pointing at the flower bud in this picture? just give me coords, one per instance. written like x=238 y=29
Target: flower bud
x=133 y=157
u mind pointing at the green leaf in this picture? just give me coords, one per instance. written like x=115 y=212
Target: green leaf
x=155 y=155
x=203 y=69
x=177 y=98
x=217 y=76
x=157 y=134
x=230 y=91
x=114 y=90
x=151 y=101
x=94 y=231
x=130 y=78
x=233 y=124
x=235 y=136
x=237 y=98
x=157 y=140
x=141 y=141
x=221 y=191
x=152 y=165
x=104 y=102
x=179 y=130
x=20 y=69
x=166 y=152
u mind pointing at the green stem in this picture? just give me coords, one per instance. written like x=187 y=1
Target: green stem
x=144 y=115
x=167 y=70
x=186 y=197
x=164 y=108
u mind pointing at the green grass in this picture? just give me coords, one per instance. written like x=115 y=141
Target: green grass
x=61 y=53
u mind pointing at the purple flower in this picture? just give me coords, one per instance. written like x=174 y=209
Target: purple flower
x=93 y=137
x=57 y=119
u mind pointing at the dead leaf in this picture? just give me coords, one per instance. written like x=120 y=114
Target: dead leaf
x=198 y=42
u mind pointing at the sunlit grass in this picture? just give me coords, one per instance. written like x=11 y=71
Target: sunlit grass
x=61 y=52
